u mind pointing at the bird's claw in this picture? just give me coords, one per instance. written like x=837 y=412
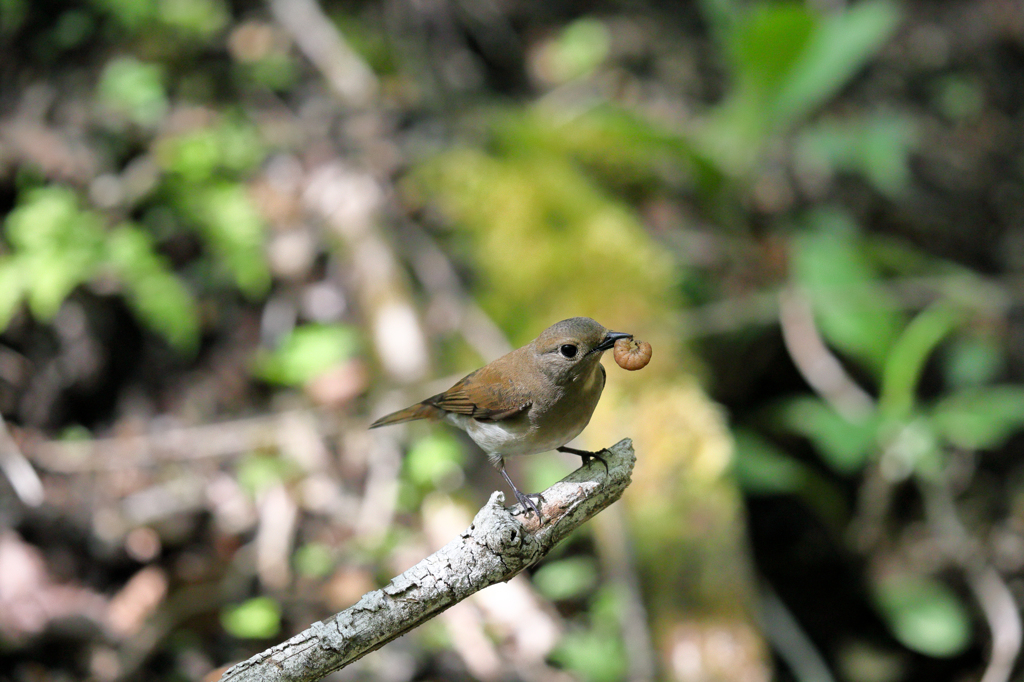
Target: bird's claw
x=524 y=500
x=527 y=503
x=586 y=456
x=587 y=459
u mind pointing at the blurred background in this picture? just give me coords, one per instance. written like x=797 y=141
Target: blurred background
x=235 y=232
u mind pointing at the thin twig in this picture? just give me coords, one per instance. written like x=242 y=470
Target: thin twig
x=1003 y=617
x=791 y=642
x=812 y=357
x=437 y=275
x=993 y=296
x=496 y=547
x=314 y=33
x=220 y=439
x=18 y=470
x=989 y=588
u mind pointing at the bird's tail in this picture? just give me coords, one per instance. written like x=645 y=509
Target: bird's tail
x=417 y=411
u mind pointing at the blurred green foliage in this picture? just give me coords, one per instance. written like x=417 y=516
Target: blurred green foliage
x=306 y=352
x=925 y=614
x=876 y=147
x=529 y=214
x=595 y=650
x=844 y=445
x=134 y=89
x=566 y=578
x=256 y=618
x=203 y=187
x=258 y=472
x=57 y=246
x=579 y=49
x=785 y=60
x=314 y=559
x=857 y=315
x=853 y=309
x=909 y=435
x=979 y=418
x=434 y=458
x=12 y=14
x=189 y=18
x=229 y=148
x=763 y=469
x=433 y=463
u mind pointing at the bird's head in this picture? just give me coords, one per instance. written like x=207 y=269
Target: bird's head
x=570 y=348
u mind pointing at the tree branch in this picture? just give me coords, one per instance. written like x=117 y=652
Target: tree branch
x=496 y=547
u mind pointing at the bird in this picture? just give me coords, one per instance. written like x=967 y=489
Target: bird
x=534 y=399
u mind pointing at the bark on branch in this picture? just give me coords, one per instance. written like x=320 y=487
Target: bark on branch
x=496 y=547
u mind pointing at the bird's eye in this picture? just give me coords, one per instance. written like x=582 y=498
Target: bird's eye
x=568 y=350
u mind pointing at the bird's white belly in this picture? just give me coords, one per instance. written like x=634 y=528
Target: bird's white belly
x=509 y=438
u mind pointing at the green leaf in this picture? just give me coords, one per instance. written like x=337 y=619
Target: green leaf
x=581 y=48
x=843 y=43
x=959 y=97
x=134 y=88
x=434 y=459
x=232 y=147
x=159 y=298
x=845 y=446
x=234 y=230
x=877 y=146
x=908 y=356
x=12 y=289
x=543 y=471
x=12 y=15
x=257 y=618
x=258 y=472
x=57 y=246
x=973 y=361
x=854 y=312
x=596 y=655
x=130 y=13
x=194 y=155
x=980 y=418
x=314 y=559
x=786 y=61
x=766 y=45
x=307 y=352
x=567 y=578
x=924 y=614
x=164 y=305
x=761 y=468
x=199 y=17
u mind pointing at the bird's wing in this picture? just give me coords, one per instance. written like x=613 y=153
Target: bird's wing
x=488 y=398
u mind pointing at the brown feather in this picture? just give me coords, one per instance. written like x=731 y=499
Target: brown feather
x=418 y=411
x=486 y=394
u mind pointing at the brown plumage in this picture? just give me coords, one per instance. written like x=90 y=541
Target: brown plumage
x=534 y=399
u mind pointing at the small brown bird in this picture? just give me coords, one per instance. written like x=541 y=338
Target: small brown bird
x=534 y=399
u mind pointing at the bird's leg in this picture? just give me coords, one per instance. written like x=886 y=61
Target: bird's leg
x=586 y=455
x=524 y=500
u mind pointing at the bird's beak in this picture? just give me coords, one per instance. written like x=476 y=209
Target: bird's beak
x=609 y=340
